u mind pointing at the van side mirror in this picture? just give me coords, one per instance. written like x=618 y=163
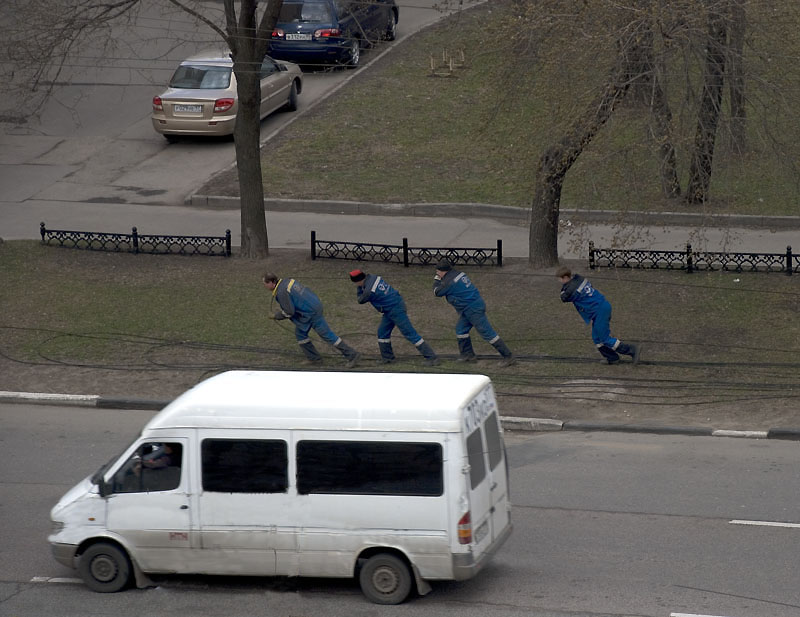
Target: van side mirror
x=103 y=487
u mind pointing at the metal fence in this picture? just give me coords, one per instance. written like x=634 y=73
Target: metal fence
x=692 y=260
x=405 y=254
x=135 y=242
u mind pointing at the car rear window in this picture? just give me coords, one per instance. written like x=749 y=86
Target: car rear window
x=201 y=77
x=306 y=12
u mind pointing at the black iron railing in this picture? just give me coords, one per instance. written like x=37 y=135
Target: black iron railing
x=135 y=242
x=691 y=260
x=405 y=254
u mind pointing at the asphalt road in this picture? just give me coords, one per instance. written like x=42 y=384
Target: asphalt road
x=605 y=524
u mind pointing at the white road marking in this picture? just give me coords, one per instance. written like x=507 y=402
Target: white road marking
x=765 y=523
x=747 y=434
x=55 y=579
x=691 y=615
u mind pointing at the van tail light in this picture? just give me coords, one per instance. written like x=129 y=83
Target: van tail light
x=277 y=33
x=324 y=33
x=465 y=529
x=221 y=105
x=157 y=106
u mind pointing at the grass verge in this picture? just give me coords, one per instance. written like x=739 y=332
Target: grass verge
x=718 y=340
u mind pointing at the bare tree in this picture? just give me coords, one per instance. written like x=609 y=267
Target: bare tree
x=709 y=110
x=38 y=57
x=557 y=159
x=736 y=76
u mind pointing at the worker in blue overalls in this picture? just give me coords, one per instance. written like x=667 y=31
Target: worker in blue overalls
x=388 y=301
x=593 y=307
x=461 y=293
x=302 y=306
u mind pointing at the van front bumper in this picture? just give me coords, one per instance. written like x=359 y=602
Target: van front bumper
x=64 y=554
x=465 y=566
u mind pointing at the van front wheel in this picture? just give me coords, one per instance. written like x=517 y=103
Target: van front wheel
x=105 y=568
x=385 y=579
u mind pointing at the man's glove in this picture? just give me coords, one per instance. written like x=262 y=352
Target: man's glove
x=278 y=315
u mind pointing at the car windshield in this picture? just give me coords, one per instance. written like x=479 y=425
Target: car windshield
x=201 y=77
x=305 y=12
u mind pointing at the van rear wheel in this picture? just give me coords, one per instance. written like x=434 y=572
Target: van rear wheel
x=385 y=579
x=105 y=568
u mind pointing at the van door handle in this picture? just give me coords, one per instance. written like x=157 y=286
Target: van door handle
x=184 y=507
x=494 y=486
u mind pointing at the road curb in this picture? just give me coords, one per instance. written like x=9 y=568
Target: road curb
x=575 y=425
x=510 y=423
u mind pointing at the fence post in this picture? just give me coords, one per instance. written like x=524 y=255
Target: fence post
x=405 y=253
x=499 y=253
x=591 y=255
x=42 y=230
x=788 y=260
x=135 y=236
x=689 y=265
x=227 y=243
x=313 y=245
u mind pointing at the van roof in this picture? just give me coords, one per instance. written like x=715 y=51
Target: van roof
x=327 y=401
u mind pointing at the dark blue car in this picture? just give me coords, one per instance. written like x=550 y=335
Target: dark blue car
x=331 y=32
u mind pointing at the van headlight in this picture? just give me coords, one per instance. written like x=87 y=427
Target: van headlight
x=56 y=526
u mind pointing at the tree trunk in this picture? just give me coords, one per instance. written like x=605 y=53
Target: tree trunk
x=738 y=17
x=248 y=44
x=709 y=111
x=543 y=233
x=247 y=136
x=557 y=159
x=650 y=91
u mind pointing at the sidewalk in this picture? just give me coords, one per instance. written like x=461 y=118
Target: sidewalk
x=456 y=225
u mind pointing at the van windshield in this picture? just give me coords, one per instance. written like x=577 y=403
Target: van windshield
x=97 y=476
x=294 y=12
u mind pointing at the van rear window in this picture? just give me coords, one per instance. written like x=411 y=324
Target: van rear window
x=244 y=466
x=477 y=464
x=494 y=441
x=369 y=468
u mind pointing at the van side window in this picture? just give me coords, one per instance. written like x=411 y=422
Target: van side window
x=155 y=466
x=244 y=465
x=494 y=441
x=477 y=465
x=369 y=468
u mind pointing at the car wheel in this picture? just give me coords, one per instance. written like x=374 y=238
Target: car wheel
x=354 y=54
x=105 y=568
x=385 y=579
x=391 y=27
x=291 y=104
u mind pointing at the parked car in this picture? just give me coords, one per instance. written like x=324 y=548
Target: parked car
x=202 y=100
x=331 y=32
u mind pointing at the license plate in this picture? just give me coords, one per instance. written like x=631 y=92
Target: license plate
x=297 y=37
x=481 y=532
x=188 y=109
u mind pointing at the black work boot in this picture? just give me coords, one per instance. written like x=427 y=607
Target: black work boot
x=609 y=355
x=427 y=353
x=387 y=353
x=311 y=353
x=465 y=351
x=503 y=350
x=348 y=352
x=630 y=349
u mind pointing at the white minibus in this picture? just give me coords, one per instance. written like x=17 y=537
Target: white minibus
x=396 y=479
